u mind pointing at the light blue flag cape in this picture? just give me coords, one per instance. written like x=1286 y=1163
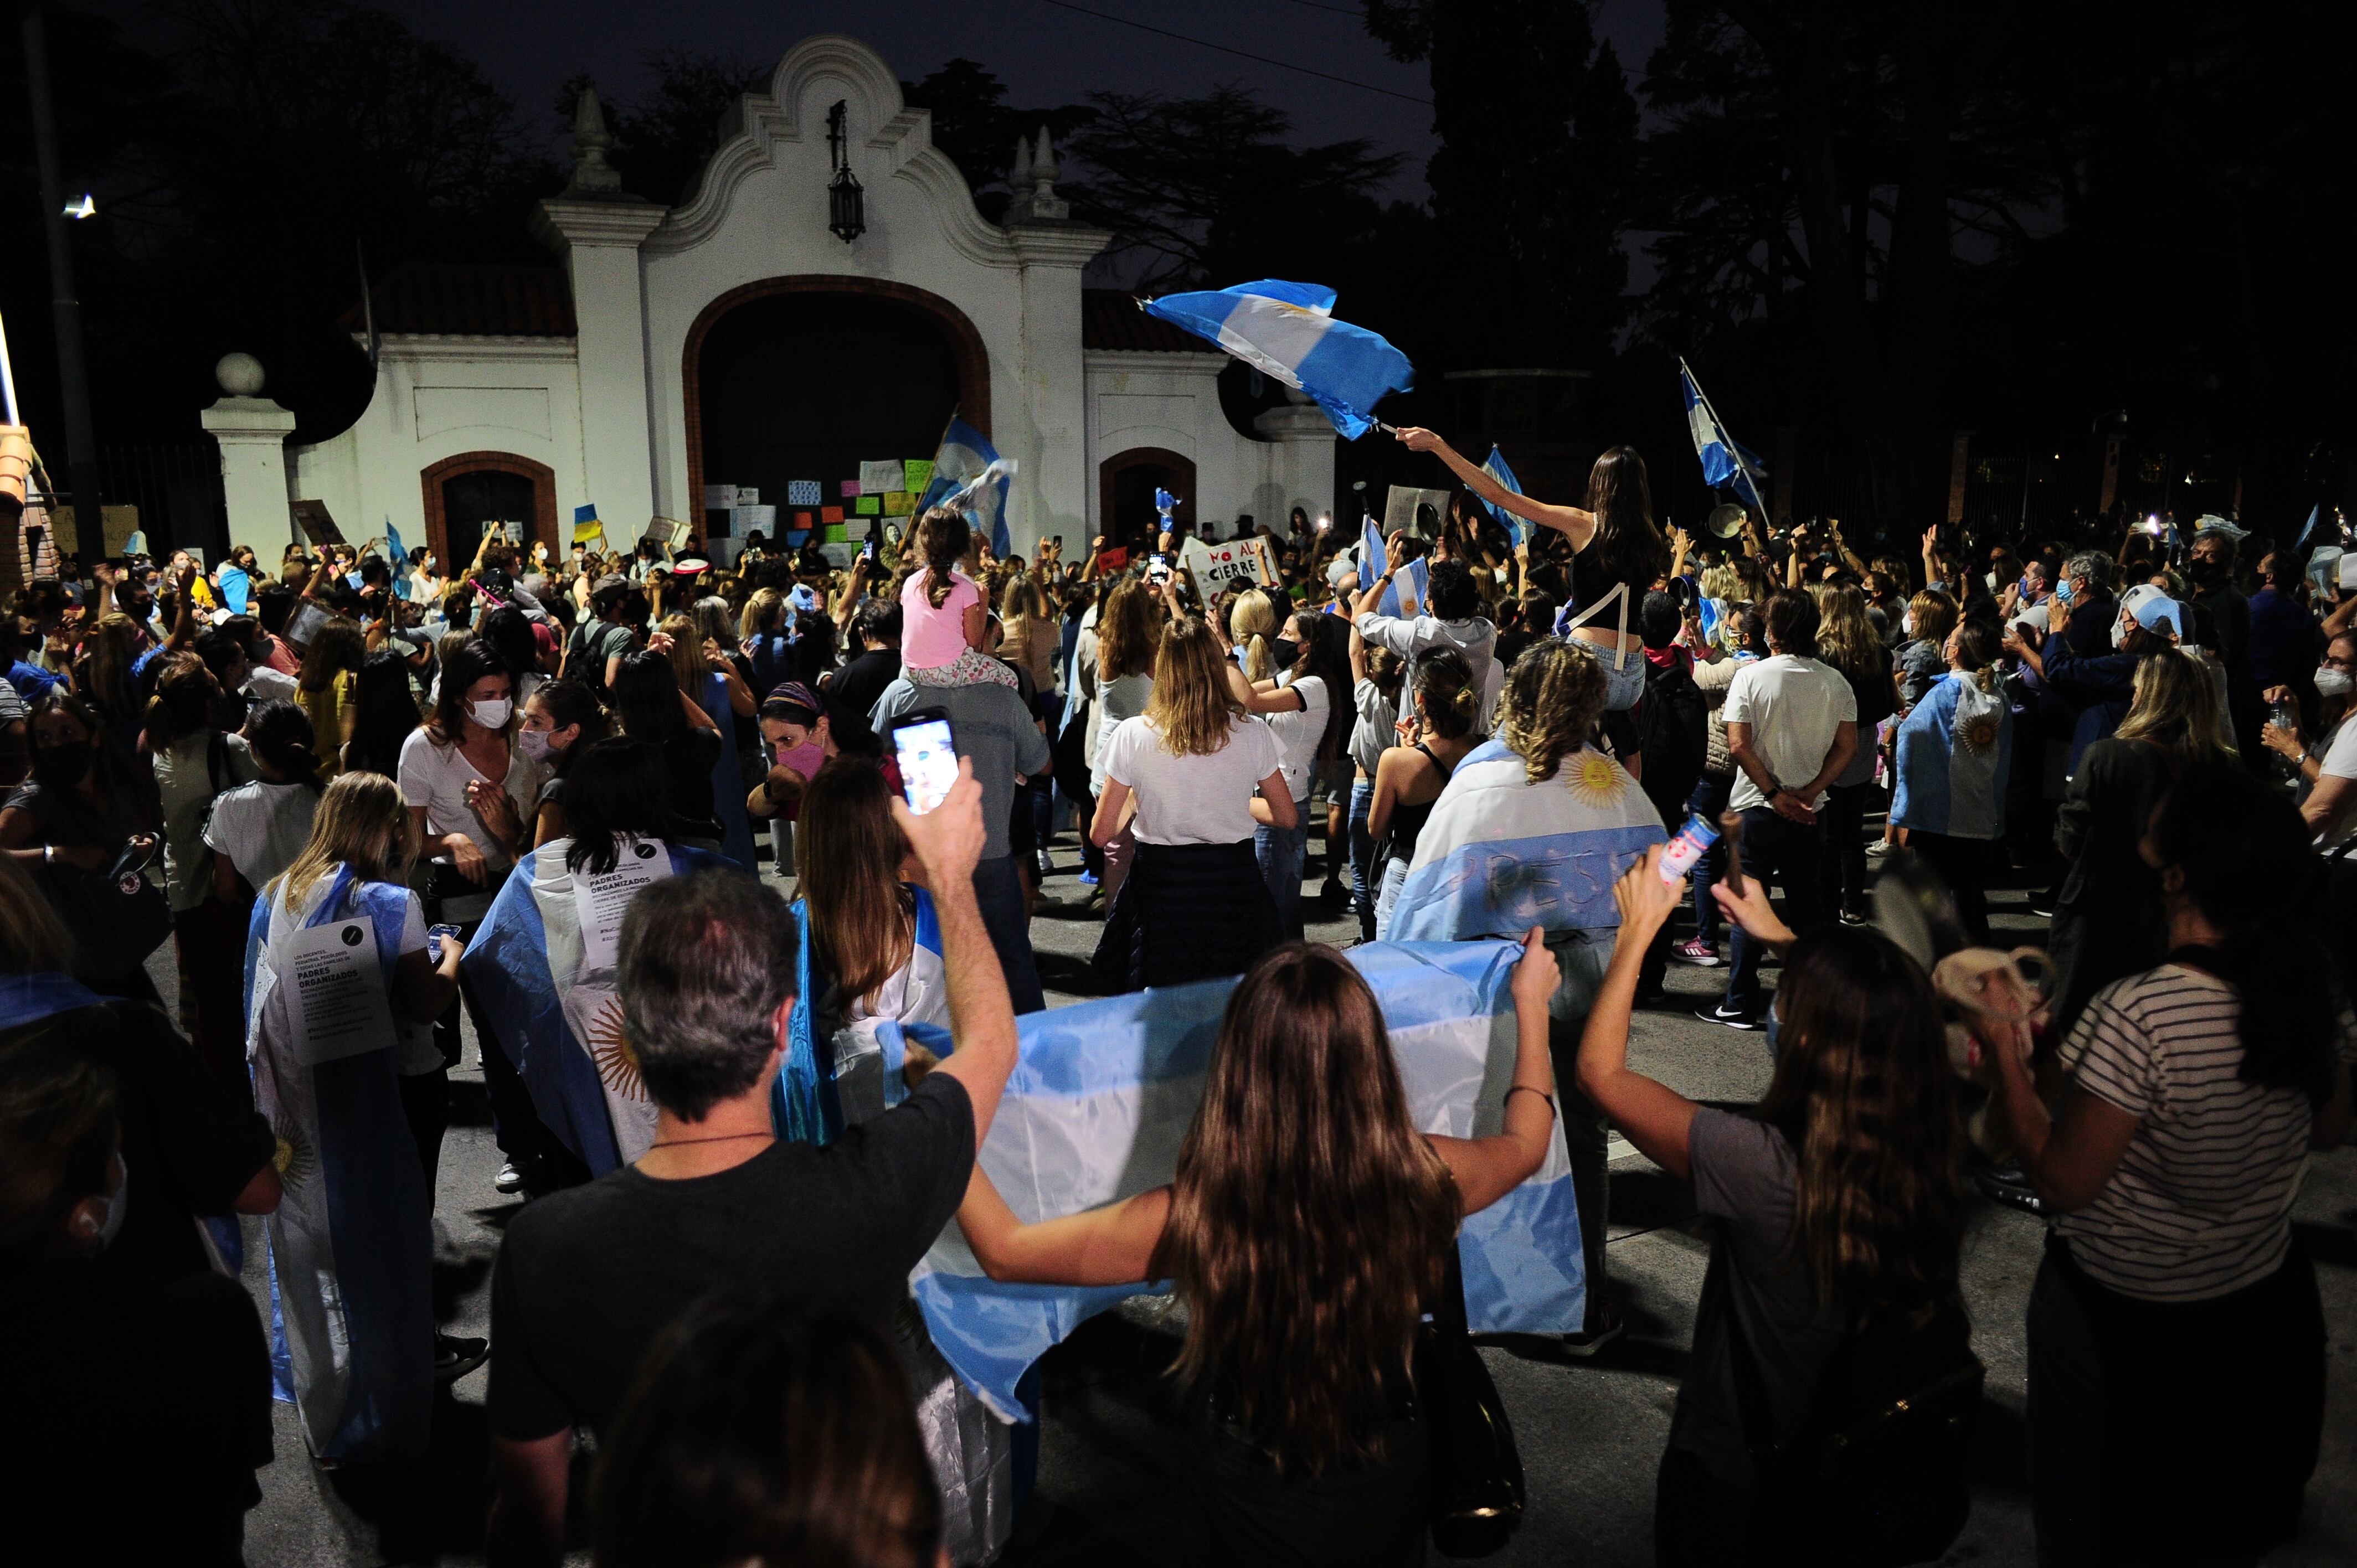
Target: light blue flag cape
x=582 y=1083
x=236 y=588
x=1500 y=854
x=1727 y=463
x=351 y=1244
x=1103 y=1092
x=964 y=454
x=399 y=559
x=1371 y=553
x=1287 y=330
x=1497 y=469
x=817 y=1093
x=1955 y=751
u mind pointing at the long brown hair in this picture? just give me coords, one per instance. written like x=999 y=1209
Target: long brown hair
x=2175 y=708
x=1555 y=694
x=1627 y=543
x=862 y=919
x=943 y=537
x=1191 y=706
x=1864 y=1094
x=337 y=648
x=1308 y=1217
x=1845 y=638
x=1128 y=631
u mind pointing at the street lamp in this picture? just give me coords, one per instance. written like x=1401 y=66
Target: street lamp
x=845 y=199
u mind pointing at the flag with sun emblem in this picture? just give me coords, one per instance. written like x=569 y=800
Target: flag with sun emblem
x=1500 y=854
x=1955 y=752
x=565 y=1037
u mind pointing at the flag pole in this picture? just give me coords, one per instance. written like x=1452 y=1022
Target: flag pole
x=1741 y=467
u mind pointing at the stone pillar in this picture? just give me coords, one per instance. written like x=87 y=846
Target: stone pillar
x=1300 y=464
x=251 y=433
x=1960 y=446
x=1048 y=434
x=595 y=228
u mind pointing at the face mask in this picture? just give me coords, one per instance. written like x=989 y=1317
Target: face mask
x=534 y=744
x=2332 y=682
x=1906 y=623
x=2203 y=571
x=492 y=715
x=804 y=758
x=2062 y=595
x=62 y=766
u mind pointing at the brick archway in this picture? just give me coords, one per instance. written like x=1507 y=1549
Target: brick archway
x=543 y=499
x=1120 y=462
x=966 y=344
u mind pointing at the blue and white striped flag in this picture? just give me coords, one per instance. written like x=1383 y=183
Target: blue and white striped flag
x=1372 y=560
x=1497 y=469
x=1500 y=854
x=1103 y=1094
x=1955 y=752
x=1403 y=599
x=964 y=456
x=1287 y=330
x=1727 y=463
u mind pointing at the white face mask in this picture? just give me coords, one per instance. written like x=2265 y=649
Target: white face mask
x=2332 y=682
x=492 y=715
x=1907 y=624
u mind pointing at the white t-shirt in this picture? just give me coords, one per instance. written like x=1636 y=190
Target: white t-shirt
x=1298 y=733
x=435 y=777
x=1373 y=732
x=2340 y=761
x=1794 y=707
x=268 y=685
x=261 y=827
x=1192 y=799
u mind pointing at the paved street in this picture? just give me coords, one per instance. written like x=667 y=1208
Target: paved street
x=1590 y=1433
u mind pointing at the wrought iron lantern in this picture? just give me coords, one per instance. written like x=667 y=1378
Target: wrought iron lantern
x=845 y=200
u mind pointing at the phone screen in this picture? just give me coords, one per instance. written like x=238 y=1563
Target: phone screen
x=928 y=761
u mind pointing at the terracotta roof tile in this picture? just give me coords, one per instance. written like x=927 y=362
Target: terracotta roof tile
x=471 y=299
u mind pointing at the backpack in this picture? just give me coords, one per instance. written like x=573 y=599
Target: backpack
x=1673 y=735
x=1875 y=1476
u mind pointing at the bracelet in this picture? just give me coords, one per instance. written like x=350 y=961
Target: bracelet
x=1530 y=1089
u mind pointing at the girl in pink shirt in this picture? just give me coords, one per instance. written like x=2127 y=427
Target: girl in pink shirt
x=944 y=618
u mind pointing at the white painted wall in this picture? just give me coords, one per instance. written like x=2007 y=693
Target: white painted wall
x=1172 y=401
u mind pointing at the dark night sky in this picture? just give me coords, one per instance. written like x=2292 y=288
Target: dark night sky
x=1045 y=54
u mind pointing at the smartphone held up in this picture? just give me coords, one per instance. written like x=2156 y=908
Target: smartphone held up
x=927 y=755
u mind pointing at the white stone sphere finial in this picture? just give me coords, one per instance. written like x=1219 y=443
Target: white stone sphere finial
x=239 y=375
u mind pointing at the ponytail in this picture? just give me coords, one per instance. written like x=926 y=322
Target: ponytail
x=280 y=734
x=1260 y=664
x=1976 y=648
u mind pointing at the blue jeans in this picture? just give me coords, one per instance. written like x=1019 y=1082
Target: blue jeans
x=1783 y=854
x=1363 y=856
x=1006 y=916
x=1708 y=801
x=1282 y=853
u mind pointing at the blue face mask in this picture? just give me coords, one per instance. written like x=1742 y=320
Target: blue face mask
x=2062 y=591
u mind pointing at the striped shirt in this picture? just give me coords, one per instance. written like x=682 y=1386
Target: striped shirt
x=2200 y=1205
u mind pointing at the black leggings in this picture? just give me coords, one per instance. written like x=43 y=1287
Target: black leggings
x=1963 y=864
x=1842 y=875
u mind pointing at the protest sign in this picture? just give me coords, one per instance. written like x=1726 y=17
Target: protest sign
x=318 y=527
x=874 y=479
x=801 y=492
x=1399 y=509
x=336 y=991
x=1237 y=563
x=602 y=900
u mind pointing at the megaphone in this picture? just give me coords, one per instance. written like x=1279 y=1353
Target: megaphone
x=1726 y=520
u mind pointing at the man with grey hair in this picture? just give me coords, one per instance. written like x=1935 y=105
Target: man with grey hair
x=588 y=1277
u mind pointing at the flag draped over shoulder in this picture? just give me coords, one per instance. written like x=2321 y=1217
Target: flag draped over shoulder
x=1103 y=1094
x=964 y=454
x=829 y=1080
x=1500 y=854
x=1287 y=330
x=564 y=1034
x=1955 y=752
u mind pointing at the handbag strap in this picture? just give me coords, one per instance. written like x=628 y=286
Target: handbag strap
x=1448 y=1307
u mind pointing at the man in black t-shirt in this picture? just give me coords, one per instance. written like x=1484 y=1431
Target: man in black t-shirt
x=588 y=1277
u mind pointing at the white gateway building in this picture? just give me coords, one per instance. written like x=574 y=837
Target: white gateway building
x=827 y=296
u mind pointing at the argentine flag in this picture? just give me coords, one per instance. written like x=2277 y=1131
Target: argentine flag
x=1404 y=600
x=1727 y=463
x=965 y=453
x=1287 y=330
x=1516 y=529
x=1955 y=752
x=399 y=560
x=1102 y=1093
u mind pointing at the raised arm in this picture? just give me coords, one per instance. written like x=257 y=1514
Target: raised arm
x=1488 y=1168
x=1574 y=522
x=1658 y=1119
x=948 y=843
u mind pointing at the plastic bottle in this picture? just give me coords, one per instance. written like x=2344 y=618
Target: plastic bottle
x=1688 y=847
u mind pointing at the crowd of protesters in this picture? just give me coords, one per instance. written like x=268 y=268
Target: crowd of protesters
x=455 y=764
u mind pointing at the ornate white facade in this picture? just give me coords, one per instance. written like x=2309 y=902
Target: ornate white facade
x=589 y=387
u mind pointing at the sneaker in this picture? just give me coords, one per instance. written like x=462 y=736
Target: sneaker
x=1879 y=847
x=2042 y=905
x=1088 y=877
x=2006 y=1184
x=1606 y=1325
x=1718 y=1014
x=1853 y=916
x=455 y=1358
x=1696 y=951
x=512 y=1178
x=1046 y=864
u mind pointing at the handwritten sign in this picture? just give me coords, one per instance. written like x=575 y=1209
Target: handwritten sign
x=916 y=474
x=1238 y=563
x=876 y=478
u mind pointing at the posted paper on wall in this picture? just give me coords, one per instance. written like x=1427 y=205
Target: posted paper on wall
x=876 y=478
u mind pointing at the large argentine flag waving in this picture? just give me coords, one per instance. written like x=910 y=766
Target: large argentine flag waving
x=1287 y=330
x=1955 y=752
x=966 y=454
x=1727 y=463
x=1103 y=1094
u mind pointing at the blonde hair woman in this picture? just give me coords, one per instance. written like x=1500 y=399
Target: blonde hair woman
x=1128 y=634
x=359 y=1105
x=1253 y=625
x=1194 y=906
